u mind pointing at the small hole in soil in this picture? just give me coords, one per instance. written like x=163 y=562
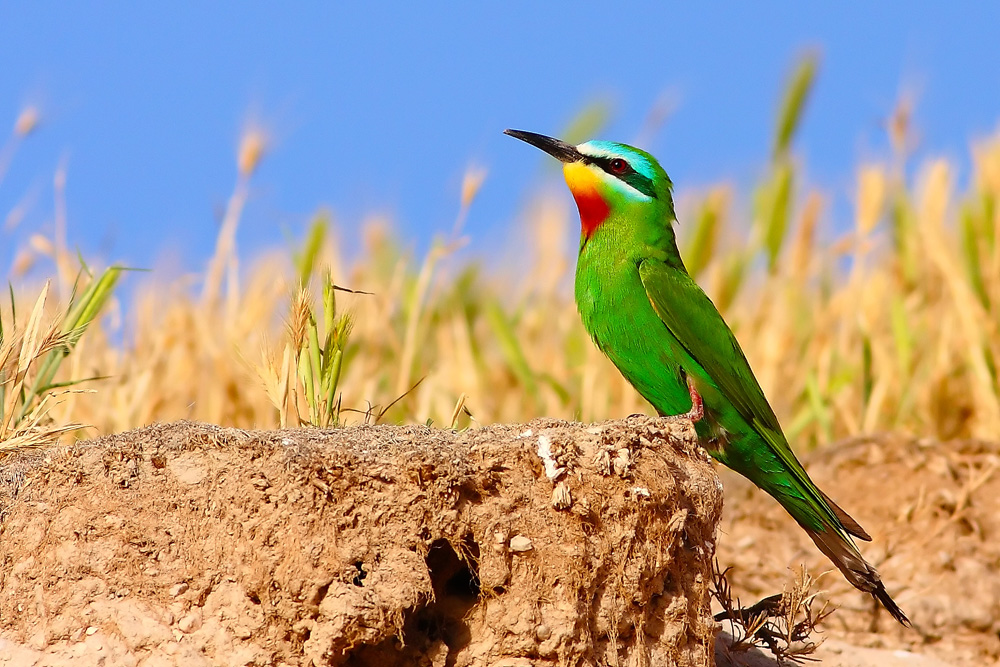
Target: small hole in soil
x=455 y=579
x=456 y=590
x=360 y=576
x=453 y=575
x=472 y=495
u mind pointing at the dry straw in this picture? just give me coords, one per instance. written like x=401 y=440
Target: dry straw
x=884 y=322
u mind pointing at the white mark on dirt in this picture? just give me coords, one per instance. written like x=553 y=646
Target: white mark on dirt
x=641 y=492
x=552 y=471
x=526 y=434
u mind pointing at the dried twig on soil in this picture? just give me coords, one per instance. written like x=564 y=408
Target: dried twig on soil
x=783 y=624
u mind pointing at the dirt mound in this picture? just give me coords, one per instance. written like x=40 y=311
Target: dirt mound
x=186 y=544
x=933 y=510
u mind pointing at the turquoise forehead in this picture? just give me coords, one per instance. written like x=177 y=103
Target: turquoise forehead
x=641 y=161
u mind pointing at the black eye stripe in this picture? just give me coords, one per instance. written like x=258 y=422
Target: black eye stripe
x=605 y=164
x=630 y=175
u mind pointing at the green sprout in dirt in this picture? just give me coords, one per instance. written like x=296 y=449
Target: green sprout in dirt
x=320 y=353
x=31 y=357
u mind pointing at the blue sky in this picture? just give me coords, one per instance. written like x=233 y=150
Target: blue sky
x=380 y=107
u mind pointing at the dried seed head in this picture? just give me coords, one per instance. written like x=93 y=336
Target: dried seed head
x=900 y=125
x=471 y=182
x=298 y=319
x=986 y=158
x=26 y=122
x=253 y=145
x=23 y=262
x=41 y=244
x=872 y=189
x=935 y=194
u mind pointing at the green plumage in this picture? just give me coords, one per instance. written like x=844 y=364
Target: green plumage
x=662 y=332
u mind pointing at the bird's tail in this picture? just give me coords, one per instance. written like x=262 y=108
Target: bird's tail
x=857 y=571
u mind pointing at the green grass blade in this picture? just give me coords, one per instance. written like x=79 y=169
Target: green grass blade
x=701 y=247
x=793 y=103
x=305 y=259
x=511 y=348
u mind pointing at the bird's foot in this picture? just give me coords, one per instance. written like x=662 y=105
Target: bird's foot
x=694 y=415
x=697 y=411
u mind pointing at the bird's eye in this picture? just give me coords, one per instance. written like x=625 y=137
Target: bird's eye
x=619 y=166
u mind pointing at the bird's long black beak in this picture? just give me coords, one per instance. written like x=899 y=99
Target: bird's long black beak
x=560 y=150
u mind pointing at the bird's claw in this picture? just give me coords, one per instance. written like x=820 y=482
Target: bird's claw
x=694 y=415
x=697 y=411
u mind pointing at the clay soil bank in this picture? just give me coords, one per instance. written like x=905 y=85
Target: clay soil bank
x=185 y=544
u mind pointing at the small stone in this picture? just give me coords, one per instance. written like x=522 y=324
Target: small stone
x=438 y=654
x=543 y=632
x=520 y=543
x=189 y=623
x=178 y=589
x=91 y=630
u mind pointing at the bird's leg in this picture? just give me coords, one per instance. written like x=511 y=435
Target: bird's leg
x=697 y=411
x=694 y=415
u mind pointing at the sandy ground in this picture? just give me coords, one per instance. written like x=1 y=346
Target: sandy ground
x=933 y=510
x=541 y=544
x=189 y=544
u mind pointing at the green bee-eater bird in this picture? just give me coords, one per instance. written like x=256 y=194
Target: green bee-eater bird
x=667 y=338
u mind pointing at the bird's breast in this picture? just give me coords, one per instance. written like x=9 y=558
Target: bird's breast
x=616 y=312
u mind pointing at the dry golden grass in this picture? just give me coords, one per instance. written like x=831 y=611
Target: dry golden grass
x=888 y=326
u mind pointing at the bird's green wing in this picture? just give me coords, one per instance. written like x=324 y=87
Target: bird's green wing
x=696 y=323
